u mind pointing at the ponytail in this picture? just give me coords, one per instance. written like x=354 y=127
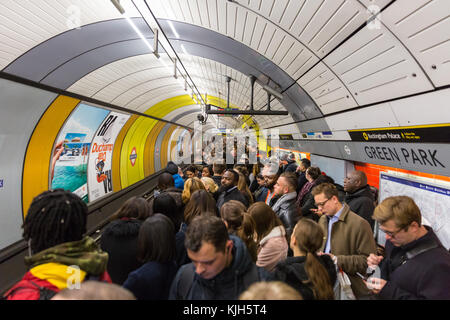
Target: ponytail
x=319 y=277
x=309 y=237
x=246 y=232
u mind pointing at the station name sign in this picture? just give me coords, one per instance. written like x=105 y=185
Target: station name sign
x=421 y=134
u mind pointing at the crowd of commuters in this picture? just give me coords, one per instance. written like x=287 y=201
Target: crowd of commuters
x=265 y=231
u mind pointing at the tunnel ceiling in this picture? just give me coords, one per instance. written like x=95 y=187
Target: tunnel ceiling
x=323 y=55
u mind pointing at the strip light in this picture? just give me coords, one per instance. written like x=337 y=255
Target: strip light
x=144 y=9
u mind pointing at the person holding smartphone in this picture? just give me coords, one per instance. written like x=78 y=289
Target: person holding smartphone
x=416 y=265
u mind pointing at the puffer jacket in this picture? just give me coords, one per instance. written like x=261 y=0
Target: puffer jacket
x=227 y=285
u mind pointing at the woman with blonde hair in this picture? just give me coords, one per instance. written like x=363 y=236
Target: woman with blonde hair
x=210 y=185
x=311 y=275
x=270 y=236
x=190 y=186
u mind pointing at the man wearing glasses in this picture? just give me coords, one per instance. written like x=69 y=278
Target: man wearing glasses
x=416 y=265
x=348 y=238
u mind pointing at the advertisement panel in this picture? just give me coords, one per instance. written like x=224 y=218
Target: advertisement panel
x=100 y=155
x=70 y=172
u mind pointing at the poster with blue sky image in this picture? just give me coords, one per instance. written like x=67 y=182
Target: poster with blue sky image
x=70 y=171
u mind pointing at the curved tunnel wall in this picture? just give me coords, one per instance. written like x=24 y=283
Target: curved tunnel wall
x=32 y=122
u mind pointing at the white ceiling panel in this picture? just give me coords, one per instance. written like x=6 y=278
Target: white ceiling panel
x=429 y=108
x=250 y=25
x=239 y=29
x=292 y=10
x=25 y=24
x=378 y=116
x=269 y=33
x=375 y=66
x=424 y=26
x=343 y=21
x=278 y=10
x=222 y=16
x=327 y=90
x=133 y=97
x=97 y=84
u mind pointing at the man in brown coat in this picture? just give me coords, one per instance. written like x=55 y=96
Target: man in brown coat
x=351 y=240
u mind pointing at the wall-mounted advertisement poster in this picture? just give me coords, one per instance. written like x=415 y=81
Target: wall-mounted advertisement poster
x=101 y=153
x=70 y=172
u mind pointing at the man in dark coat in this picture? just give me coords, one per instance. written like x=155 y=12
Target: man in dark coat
x=285 y=207
x=416 y=265
x=218 y=170
x=291 y=165
x=229 y=191
x=221 y=267
x=358 y=195
x=301 y=172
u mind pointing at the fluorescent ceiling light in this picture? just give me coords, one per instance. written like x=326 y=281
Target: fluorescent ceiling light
x=138 y=32
x=173 y=29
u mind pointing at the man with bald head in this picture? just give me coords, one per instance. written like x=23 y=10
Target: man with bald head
x=358 y=195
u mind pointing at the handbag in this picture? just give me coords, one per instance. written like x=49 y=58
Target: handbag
x=343 y=287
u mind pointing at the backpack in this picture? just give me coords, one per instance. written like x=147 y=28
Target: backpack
x=187 y=279
x=44 y=293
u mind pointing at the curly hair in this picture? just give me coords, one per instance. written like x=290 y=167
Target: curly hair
x=54 y=217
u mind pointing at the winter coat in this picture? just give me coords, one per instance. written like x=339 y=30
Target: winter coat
x=152 y=280
x=301 y=180
x=175 y=193
x=263 y=196
x=217 y=180
x=291 y=166
x=227 y=285
x=182 y=256
x=292 y=271
x=351 y=242
x=361 y=203
x=286 y=209
x=50 y=270
x=120 y=241
x=424 y=276
x=231 y=194
x=178 y=181
x=257 y=193
x=309 y=204
x=272 y=249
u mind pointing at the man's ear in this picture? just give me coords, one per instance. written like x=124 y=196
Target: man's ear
x=229 y=246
